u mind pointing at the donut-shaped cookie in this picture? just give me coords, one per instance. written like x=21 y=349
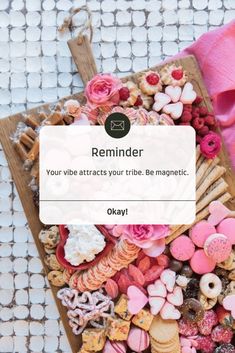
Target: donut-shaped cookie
x=192 y=310
x=210 y=285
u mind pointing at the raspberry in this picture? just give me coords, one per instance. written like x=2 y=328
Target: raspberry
x=196 y=110
x=195 y=115
x=209 y=120
x=152 y=79
x=124 y=93
x=138 y=101
x=203 y=111
x=206 y=324
x=187 y=328
x=177 y=74
x=185 y=124
x=203 y=131
x=198 y=100
x=222 y=334
x=144 y=264
x=188 y=107
x=186 y=117
x=198 y=123
x=198 y=139
x=136 y=274
x=205 y=344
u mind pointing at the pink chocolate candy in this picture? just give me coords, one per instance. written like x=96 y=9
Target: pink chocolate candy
x=182 y=248
x=201 y=264
x=227 y=227
x=138 y=340
x=200 y=232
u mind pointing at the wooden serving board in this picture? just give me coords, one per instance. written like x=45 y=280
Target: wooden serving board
x=22 y=178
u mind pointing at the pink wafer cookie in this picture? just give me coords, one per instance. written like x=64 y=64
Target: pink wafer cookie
x=227 y=227
x=200 y=232
x=200 y=263
x=182 y=248
x=217 y=247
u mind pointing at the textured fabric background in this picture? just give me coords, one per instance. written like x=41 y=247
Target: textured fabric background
x=36 y=67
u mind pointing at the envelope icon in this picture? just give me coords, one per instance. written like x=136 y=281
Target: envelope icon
x=117 y=125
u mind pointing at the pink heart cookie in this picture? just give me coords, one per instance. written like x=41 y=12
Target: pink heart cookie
x=188 y=95
x=176 y=297
x=168 y=277
x=156 y=304
x=218 y=212
x=157 y=289
x=136 y=300
x=175 y=110
x=174 y=93
x=161 y=99
x=229 y=304
x=169 y=312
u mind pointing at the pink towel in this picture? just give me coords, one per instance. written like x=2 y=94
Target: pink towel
x=215 y=53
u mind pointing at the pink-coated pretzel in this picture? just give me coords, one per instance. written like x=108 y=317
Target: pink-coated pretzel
x=86 y=307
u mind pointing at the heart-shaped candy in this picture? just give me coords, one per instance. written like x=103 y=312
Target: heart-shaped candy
x=176 y=297
x=169 y=312
x=218 y=212
x=136 y=300
x=168 y=277
x=229 y=304
x=157 y=289
x=156 y=304
x=188 y=95
x=161 y=99
x=174 y=93
x=175 y=110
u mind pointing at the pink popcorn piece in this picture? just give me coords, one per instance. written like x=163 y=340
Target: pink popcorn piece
x=205 y=344
x=222 y=334
x=187 y=328
x=206 y=325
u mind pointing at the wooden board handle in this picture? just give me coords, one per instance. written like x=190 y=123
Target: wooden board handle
x=83 y=57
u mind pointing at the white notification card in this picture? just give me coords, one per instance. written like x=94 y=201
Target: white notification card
x=89 y=177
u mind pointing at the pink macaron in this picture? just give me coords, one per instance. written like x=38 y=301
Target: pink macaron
x=201 y=263
x=138 y=340
x=217 y=247
x=182 y=248
x=200 y=232
x=114 y=347
x=227 y=227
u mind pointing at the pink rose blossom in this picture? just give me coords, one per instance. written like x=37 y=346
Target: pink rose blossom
x=103 y=90
x=210 y=145
x=149 y=237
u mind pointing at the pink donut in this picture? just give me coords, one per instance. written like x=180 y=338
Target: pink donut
x=182 y=248
x=200 y=232
x=218 y=247
x=227 y=227
x=201 y=264
x=114 y=347
x=138 y=340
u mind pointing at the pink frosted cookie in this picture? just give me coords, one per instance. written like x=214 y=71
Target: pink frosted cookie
x=138 y=340
x=200 y=263
x=200 y=232
x=217 y=247
x=227 y=227
x=182 y=248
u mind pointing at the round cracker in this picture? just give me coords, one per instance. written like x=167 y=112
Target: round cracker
x=163 y=331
